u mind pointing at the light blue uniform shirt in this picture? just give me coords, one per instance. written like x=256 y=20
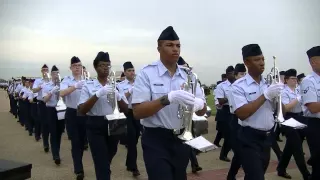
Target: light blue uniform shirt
x=101 y=107
x=287 y=95
x=123 y=88
x=36 y=84
x=310 y=92
x=153 y=82
x=71 y=100
x=246 y=90
x=216 y=102
x=53 y=99
x=222 y=90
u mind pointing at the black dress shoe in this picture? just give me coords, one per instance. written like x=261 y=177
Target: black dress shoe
x=46 y=149
x=226 y=159
x=135 y=173
x=86 y=146
x=218 y=145
x=284 y=175
x=80 y=176
x=196 y=169
x=57 y=161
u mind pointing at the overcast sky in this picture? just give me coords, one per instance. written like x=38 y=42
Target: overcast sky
x=212 y=32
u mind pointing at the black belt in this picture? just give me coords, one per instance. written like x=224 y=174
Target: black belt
x=164 y=130
x=257 y=131
x=294 y=114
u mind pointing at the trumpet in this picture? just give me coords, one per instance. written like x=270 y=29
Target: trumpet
x=185 y=112
x=85 y=75
x=273 y=78
x=57 y=82
x=46 y=77
x=112 y=99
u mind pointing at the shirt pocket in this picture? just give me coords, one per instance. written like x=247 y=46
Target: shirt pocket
x=158 y=91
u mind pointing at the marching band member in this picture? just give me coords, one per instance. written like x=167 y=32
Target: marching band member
x=310 y=91
x=239 y=72
x=133 y=125
x=42 y=119
x=300 y=77
x=218 y=119
x=70 y=90
x=291 y=100
x=156 y=96
x=20 y=102
x=94 y=103
x=34 y=112
x=221 y=94
x=251 y=99
x=193 y=155
x=51 y=96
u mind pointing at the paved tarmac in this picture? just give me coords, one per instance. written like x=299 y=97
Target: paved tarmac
x=15 y=144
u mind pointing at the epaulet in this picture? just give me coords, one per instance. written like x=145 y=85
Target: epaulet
x=239 y=80
x=66 y=77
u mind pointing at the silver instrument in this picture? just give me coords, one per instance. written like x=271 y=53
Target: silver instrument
x=185 y=113
x=46 y=77
x=273 y=78
x=112 y=99
x=85 y=75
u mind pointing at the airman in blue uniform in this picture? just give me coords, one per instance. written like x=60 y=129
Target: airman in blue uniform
x=95 y=104
x=239 y=72
x=221 y=94
x=42 y=119
x=134 y=128
x=292 y=103
x=51 y=97
x=70 y=90
x=310 y=92
x=251 y=99
x=155 y=100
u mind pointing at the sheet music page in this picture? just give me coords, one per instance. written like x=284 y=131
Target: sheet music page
x=293 y=123
x=201 y=144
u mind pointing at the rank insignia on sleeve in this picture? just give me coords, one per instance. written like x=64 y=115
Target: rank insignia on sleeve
x=306 y=90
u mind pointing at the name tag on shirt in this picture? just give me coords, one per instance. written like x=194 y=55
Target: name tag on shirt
x=158 y=84
x=252 y=93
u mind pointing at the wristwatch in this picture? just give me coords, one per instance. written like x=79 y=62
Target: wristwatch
x=164 y=100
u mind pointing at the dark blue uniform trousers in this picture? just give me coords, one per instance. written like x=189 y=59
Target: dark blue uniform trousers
x=165 y=156
x=103 y=147
x=294 y=147
x=313 y=136
x=56 y=128
x=254 y=148
x=235 y=163
x=43 y=118
x=77 y=130
x=133 y=134
x=37 y=123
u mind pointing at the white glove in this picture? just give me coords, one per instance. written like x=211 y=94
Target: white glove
x=79 y=84
x=299 y=98
x=54 y=90
x=181 y=97
x=104 y=91
x=273 y=91
x=198 y=104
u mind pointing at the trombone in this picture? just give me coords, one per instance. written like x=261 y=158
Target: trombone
x=186 y=112
x=273 y=78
